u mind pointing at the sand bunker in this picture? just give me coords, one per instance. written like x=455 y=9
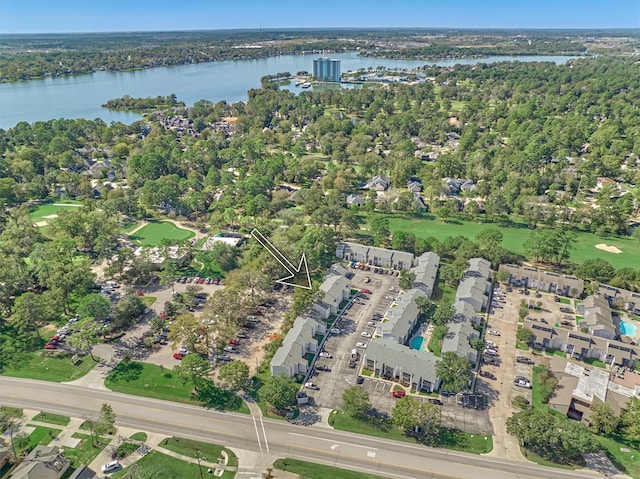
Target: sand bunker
x=608 y=249
x=50 y=216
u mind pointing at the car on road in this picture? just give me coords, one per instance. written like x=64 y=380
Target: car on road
x=365 y=334
x=359 y=380
x=231 y=349
x=524 y=360
x=398 y=394
x=493 y=332
x=325 y=354
x=110 y=466
x=488 y=375
x=179 y=356
x=361 y=345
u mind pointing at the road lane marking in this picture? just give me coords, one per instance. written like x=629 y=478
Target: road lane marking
x=255 y=425
x=266 y=443
x=331 y=440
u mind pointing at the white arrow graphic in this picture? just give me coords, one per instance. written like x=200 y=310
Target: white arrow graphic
x=300 y=274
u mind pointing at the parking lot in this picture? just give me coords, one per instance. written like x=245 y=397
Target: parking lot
x=352 y=323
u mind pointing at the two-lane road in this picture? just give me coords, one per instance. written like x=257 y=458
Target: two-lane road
x=272 y=438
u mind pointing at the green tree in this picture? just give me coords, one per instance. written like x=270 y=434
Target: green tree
x=524 y=335
x=443 y=314
x=453 y=371
x=355 y=402
x=94 y=306
x=185 y=329
x=477 y=344
x=279 y=392
x=168 y=273
x=596 y=269
x=425 y=306
x=603 y=419
x=406 y=279
x=106 y=420
x=630 y=420
x=193 y=369
x=156 y=324
x=85 y=336
x=128 y=310
x=415 y=417
x=380 y=229
x=234 y=375
x=29 y=313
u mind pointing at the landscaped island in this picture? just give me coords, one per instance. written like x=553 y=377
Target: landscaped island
x=127 y=103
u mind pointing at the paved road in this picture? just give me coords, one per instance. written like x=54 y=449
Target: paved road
x=272 y=438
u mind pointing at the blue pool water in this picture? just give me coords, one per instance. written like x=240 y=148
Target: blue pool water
x=628 y=329
x=416 y=343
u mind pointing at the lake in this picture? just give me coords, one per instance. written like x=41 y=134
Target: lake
x=81 y=96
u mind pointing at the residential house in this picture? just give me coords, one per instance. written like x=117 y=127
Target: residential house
x=414 y=185
x=419 y=202
x=596 y=316
x=374 y=256
x=43 y=462
x=84 y=472
x=336 y=289
x=291 y=358
x=401 y=318
x=475 y=286
x=453 y=140
x=339 y=269
x=620 y=298
x=355 y=200
x=391 y=360
x=458 y=338
x=426 y=272
x=378 y=183
x=523 y=276
x=459 y=185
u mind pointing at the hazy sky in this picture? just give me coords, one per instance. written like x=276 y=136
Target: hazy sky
x=44 y=16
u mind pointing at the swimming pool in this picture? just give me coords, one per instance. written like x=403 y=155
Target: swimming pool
x=628 y=329
x=417 y=342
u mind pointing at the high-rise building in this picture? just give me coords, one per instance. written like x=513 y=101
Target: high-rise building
x=325 y=69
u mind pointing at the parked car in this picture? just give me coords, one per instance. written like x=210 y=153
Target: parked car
x=335 y=331
x=216 y=281
x=493 y=332
x=522 y=382
x=252 y=319
x=325 y=354
x=488 y=375
x=435 y=401
x=490 y=352
x=371 y=323
x=224 y=357
x=323 y=368
x=241 y=335
x=139 y=293
x=179 y=356
x=110 y=466
x=183 y=350
x=234 y=342
x=359 y=380
x=50 y=346
x=361 y=345
x=398 y=394
x=231 y=349
x=310 y=385
x=366 y=291
x=365 y=334
x=524 y=360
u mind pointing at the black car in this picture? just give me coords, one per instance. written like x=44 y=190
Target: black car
x=360 y=380
x=435 y=401
x=488 y=375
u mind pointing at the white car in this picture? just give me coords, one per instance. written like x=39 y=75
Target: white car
x=183 y=350
x=371 y=323
x=361 y=345
x=364 y=334
x=490 y=344
x=490 y=352
x=110 y=466
x=311 y=386
x=493 y=332
x=325 y=354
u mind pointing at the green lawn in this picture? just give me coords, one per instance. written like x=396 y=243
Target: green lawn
x=139 y=436
x=149 y=380
x=449 y=438
x=41 y=435
x=40 y=213
x=84 y=452
x=435 y=346
x=56 y=368
x=148 y=300
x=51 y=418
x=208 y=452
x=628 y=459
x=533 y=457
x=129 y=226
x=515 y=236
x=153 y=234
x=156 y=465
x=310 y=470
x=536 y=395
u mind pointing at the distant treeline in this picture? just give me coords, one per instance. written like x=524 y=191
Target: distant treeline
x=128 y=103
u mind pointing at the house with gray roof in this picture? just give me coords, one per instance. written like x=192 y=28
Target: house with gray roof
x=43 y=462
x=458 y=338
x=378 y=183
x=596 y=316
x=336 y=289
x=374 y=256
x=291 y=358
x=391 y=360
x=524 y=276
x=355 y=200
x=426 y=272
x=401 y=318
x=475 y=286
x=339 y=268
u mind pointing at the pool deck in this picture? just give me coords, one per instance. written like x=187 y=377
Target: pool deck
x=426 y=332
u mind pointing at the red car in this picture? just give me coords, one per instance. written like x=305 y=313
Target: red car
x=178 y=356
x=50 y=346
x=235 y=342
x=366 y=291
x=139 y=293
x=163 y=315
x=55 y=338
x=257 y=312
x=398 y=394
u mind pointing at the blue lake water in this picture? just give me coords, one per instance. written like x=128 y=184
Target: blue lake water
x=628 y=329
x=81 y=96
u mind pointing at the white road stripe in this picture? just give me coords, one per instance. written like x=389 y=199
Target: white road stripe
x=332 y=441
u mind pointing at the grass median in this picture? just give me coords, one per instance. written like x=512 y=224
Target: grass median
x=56 y=367
x=311 y=470
x=205 y=450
